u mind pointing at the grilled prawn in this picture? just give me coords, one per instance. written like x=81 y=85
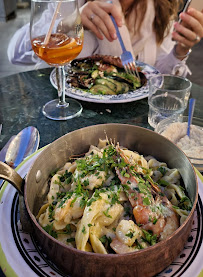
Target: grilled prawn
x=151 y=209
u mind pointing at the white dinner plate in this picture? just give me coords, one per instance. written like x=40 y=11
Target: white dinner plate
x=21 y=256
x=131 y=96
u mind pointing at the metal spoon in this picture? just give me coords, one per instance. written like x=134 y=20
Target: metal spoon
x=24 y=144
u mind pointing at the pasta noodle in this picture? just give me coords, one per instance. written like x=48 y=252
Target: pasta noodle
x=114 y=200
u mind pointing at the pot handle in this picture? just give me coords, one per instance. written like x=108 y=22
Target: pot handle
x=9 y=174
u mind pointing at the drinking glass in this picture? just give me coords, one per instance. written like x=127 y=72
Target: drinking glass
x=56 y=35
x=168 y=97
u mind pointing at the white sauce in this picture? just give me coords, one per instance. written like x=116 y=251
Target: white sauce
x=193 y=145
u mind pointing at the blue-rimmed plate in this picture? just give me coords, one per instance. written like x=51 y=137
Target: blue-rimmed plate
x=131 y=96
x=20 y=254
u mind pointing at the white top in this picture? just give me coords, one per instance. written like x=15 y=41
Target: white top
x=143 y=45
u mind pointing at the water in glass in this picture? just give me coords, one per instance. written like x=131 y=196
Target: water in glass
x=168 y=97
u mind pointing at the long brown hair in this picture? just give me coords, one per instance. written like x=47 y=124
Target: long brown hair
x=165 y=10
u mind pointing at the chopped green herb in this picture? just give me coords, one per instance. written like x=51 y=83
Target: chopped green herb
x=185 y=203
x=83 y=230
x=106 y=213
x=149 y=237
x=162 y=170
x=68 y=229
x=126 y=187
x=130 y=235
x=138 y=245
x=50 y=231
x=163 y=183
x=146 y=201
x=73 y=201
x=154 y=220
x=105 y=240
x=51 y=211
x=127 y=175
x=86 y=182
x=115 y=198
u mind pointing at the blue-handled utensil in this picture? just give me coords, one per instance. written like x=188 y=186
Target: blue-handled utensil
x=127 y=59
x=190 y=116
x=126 y=56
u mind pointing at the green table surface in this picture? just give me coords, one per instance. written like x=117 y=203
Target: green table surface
x=23 y=95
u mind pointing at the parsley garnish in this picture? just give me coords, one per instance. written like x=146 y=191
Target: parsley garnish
x=149 y=237
x=83 y=230
x=50 y=231
x=146 y=201
x=130 y=235
x=106 y=213
x=162 y=170
x=163 y=183
x=105 y=240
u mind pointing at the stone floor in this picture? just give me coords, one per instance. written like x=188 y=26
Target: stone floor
x=195 y=61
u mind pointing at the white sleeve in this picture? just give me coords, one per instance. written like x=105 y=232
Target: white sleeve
x=90 y=45
x=169 y=64
x=166 y=62
x=20 y=49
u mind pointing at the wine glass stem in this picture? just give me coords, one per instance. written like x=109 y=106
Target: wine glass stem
x=60 y=77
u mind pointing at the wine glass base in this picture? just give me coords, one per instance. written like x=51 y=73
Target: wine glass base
x=54 y=111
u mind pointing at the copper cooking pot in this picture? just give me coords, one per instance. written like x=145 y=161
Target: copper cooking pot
x=146 y=262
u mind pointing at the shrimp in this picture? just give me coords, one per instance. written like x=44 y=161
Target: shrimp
x=151 y=210
x=128 y=237
x=67 y=211
x=127 y=232
x=121 y=248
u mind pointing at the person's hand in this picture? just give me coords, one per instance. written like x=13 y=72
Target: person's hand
x=96 y=17
x=189 y=32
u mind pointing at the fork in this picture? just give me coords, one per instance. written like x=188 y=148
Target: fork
x=126 y=57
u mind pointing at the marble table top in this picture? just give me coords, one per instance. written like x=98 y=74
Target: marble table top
x=23 y=95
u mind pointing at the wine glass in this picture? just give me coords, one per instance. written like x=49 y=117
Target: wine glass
x=56 y=35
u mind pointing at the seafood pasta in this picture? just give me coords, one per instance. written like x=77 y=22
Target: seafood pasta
x=113 y=200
